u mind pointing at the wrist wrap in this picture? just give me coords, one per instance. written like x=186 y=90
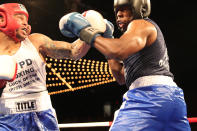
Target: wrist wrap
x=89 y=34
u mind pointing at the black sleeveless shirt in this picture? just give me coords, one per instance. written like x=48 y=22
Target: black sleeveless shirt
x=151 y=60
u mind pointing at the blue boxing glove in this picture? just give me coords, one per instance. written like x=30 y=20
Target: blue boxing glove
x=74 y=24
x=65 y=32
x=109 y=29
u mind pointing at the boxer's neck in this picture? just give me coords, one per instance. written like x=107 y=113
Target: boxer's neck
x=7 y=45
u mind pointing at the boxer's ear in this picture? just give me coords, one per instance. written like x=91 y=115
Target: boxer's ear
x=2 y=20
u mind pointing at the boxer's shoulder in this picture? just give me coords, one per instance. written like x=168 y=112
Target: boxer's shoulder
x=36 y=36
x=39 y=39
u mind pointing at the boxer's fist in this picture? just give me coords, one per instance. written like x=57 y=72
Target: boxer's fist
x=95 y=19
x=63 y=30
x=78 y=25
x=8 y=69
x=66 y=24
x=109 y=29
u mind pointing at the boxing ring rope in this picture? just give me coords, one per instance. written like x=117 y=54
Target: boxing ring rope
x=88 y=124
x=103 y=124
x=192 y=120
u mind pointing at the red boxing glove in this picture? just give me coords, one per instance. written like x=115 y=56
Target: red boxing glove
x=2 y=83
x=8 y=69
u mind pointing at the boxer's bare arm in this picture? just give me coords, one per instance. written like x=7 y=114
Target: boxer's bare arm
x=80 y=49
x=139 y=34
x=117 y=70
x=59 y=49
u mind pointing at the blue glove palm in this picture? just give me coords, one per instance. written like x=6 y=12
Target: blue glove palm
x=75 y=24
x=109 y=29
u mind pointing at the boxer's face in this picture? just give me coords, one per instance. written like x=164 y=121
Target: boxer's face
x=123 y=17
x=24 y=28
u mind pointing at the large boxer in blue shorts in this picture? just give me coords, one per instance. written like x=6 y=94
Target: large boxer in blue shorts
x=139 y=59
x=152 y=107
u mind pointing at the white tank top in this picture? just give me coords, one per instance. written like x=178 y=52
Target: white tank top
x=31 y=74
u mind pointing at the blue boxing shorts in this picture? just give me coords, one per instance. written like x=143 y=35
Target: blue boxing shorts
x=31 y=121
x=30 y=112
x=155 y=107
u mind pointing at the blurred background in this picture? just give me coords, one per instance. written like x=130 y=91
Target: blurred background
x=97 y=95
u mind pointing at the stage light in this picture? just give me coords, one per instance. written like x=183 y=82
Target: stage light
x=76 y=75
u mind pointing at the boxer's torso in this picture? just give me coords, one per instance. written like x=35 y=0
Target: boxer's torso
x=31 y=75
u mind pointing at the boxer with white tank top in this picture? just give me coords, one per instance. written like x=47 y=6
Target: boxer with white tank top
x=24 y=100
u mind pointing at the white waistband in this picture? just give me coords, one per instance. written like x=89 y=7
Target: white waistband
x=27 y=103
x=152 y=80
